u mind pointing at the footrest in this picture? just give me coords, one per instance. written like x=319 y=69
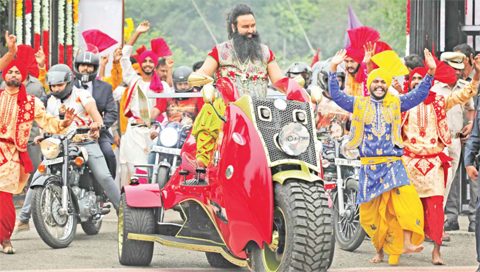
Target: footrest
x=194 y=182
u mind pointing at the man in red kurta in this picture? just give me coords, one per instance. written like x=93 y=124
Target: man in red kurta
x=17 y=113
x=425 y=134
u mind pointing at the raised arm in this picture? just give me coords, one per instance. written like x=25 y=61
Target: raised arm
x=129 y=75
x=342 y=99
x=12 y=50
x=142 y=28
x=419 y=94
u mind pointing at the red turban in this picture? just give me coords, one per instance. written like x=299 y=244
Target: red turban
x=22 y=94
x=156 y=84
x=419 y=70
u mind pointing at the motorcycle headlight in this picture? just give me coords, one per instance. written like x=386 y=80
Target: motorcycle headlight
x=349 y=154
x=50 y=148
x=169 y=137
x=294 y=139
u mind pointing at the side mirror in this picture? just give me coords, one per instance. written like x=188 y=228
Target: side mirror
x=208 y=93
x=316 y=94
x=197 y=79
x=300 y=80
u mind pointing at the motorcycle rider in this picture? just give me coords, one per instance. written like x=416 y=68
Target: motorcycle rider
x=85 y=68
x=328 y=110
x=65 y=95
x=182 y=110
x=300 y=69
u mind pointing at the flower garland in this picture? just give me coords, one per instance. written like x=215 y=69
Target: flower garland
x=19 y=22
x=69 y=40
x=46 y=28
x=36 y=23
x=28 y=22
x=75 y=25
x=61 y=31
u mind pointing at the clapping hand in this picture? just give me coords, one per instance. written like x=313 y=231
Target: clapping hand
x=430 y=61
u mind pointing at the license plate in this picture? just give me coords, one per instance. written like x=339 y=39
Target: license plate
x=166 y=150
x=354 y=163
x=54 y=161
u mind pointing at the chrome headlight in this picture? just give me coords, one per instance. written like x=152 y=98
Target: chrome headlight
x=294 y=139
x=169 y=137
x=50 y=148
x=349 y=154
x=84 y=153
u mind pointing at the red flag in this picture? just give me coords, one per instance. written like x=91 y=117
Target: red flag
x=315 y=58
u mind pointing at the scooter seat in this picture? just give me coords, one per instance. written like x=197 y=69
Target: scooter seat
x=194 y=182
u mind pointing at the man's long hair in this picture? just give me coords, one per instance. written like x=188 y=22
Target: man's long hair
x=237 y=10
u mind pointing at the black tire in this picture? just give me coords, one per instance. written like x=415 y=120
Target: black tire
x=134 y=220
x=218 y=261
x=41 y=225
x=162 y=177
x=349 y=242
x=304 y=206
x=91 y=228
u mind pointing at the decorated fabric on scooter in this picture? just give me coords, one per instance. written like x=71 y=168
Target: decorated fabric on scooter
x=182 y=111
x=206 y=128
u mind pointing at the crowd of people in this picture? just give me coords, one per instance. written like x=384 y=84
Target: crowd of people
x=411 y=138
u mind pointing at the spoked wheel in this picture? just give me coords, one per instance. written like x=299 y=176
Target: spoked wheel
x=56 y=230
x=348 y=231
x=134 y=220
x=301 y=231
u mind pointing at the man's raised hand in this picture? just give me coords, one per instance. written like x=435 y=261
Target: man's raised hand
x=11 y=43
x=337 y=59
x=143 y=27
x=40 y=58
x=104 y=60
x=117 y=54
x=369 y=51
x=430 y=61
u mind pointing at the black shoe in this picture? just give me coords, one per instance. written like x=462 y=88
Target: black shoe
x=450 y=225
x=471 y=226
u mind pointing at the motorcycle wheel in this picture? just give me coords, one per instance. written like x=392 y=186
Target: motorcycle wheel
x=92 y=228
x=302 y=230
x=56 y=230
x=162 y=177
x=135 y=220
x=348 y=231
x=218 y=261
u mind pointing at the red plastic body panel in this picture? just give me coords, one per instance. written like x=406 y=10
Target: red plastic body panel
x=228 y=90
x=247 y=196
x=292 y=89
x=143 y=195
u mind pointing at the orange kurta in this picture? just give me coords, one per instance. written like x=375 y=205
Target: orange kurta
x=352 y=87
x=12 y=176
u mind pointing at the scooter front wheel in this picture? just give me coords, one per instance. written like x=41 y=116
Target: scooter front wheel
x=301 y=230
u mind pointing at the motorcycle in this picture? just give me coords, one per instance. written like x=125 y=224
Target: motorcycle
x=167 y=149
x=66 y=193
x=261 y=203
x=341 y=173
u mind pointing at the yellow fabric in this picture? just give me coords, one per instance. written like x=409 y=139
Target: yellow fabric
x=41 y=77
x=115 y=78
x=385 y=217
x=122 y=119
x=352 y=87
x=378 y=160
x=364 y=111
x=390 y=61
x=127 y=31
x=206 y=129
x=12 y=175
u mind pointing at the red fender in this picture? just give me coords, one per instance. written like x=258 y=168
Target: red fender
x=142 y=195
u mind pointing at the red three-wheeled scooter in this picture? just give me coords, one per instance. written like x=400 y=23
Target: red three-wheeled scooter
x=261 y=203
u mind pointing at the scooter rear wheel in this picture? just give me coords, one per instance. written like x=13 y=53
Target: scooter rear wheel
x=302 y=230
x=134 y=220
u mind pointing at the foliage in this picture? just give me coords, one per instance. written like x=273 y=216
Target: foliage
x=3 y=24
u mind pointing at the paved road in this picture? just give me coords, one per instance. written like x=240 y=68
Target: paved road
x=99 y=252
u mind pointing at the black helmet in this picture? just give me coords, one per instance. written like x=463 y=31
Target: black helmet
x=322 y=78
x=57 y=74
x=301 y=68
x=181 y=74
x=87 y=56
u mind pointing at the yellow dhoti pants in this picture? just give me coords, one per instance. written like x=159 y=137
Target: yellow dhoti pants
x=385 y=217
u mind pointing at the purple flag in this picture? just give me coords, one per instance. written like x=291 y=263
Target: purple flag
x=353 y=22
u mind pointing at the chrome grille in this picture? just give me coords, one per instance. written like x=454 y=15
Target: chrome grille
x=279 y=119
